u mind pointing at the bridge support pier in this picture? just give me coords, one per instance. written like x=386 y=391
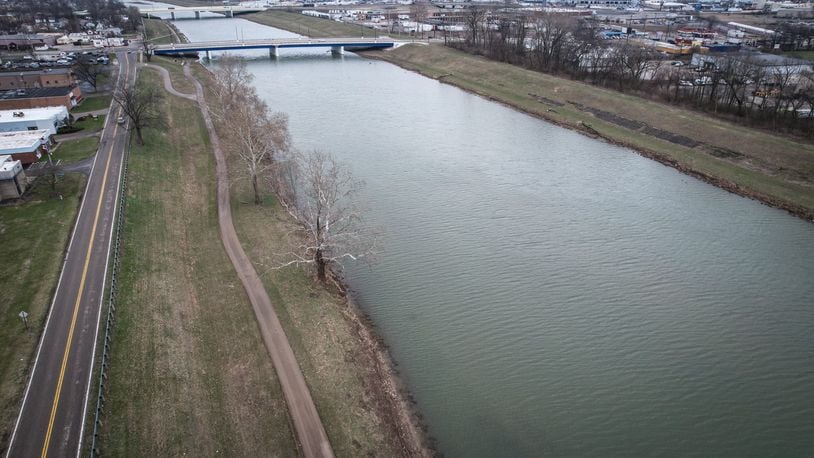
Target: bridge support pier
x=337 y=50
x=197 y=15
x=172 y=15
x=274 y=52
x=208 y=55
x=231 y=13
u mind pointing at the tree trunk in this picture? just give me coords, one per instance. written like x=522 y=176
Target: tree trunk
x=256 y=190
x=138 y=136
x=320 y=261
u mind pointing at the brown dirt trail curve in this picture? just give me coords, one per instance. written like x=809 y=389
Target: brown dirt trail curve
x=311 y=435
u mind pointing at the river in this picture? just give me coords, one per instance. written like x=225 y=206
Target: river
x=548 y=293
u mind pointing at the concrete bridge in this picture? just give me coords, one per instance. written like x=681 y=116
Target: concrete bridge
x=337 y=45
x=226 y=10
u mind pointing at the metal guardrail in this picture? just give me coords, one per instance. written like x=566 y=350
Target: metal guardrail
x=111 y=307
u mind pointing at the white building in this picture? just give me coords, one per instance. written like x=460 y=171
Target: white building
x=49 y=118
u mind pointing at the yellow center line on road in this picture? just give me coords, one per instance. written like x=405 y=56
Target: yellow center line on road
x=81 y=289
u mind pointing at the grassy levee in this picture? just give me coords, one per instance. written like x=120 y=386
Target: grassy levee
x=34 y=235
x=176 y=71
x=189 y=373
x=338 y=366
x=159 y=32
x=775 y=169
x=315 y=27
x=70 y=151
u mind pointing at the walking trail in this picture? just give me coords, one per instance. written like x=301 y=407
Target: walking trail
x=310 y=433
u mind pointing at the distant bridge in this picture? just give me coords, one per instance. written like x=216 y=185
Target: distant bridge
x=337 y=45
x=226 y=10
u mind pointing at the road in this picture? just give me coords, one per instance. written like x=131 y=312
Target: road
x=51 y=420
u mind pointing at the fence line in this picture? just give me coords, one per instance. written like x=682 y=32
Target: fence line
x=111 y=307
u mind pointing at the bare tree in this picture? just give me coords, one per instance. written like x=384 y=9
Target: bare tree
x=52 y=169
x=232 y=81
x=418 y=11
x=325 y=207
x=88 y=71
x=256 y=138
x=141 y=105
x=474 y=22
x=147 y=48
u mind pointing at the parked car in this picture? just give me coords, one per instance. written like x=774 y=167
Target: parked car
x=120 y=120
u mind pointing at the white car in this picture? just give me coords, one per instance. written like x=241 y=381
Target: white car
x=120 y=120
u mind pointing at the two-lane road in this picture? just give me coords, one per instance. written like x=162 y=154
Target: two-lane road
x=52 y=416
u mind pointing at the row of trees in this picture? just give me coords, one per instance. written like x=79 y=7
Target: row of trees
x=566 y=45
x=111 y=12
x=316 y=190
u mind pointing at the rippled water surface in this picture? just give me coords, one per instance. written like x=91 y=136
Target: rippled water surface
x=546 y=293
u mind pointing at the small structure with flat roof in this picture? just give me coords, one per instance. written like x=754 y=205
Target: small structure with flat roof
x=12 y=178
x=49 y=118
x=26 y=146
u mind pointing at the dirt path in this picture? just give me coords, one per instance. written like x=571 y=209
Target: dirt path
x=311 y=434
x=165 y=75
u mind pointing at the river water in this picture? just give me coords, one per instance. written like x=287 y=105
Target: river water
x=547 y=293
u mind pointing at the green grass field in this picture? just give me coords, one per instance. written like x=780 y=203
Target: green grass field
x=93 y=103
x=189 y=373
x=34 y=235
x=89 y=124
x=70 y=151
x=808 y=55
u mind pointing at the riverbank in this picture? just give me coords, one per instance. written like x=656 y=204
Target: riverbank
x=362 y=402
x=775 y=170
x=188 y=372
x=352 y=379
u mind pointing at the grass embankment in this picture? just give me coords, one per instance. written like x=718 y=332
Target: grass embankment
x=176 y=71
x=34 y=235
x=807 y=55
x=346 y=380
x=774 y=169
x=93 y=103
x=70 y=151
x=316 y=27
x=159 y=32
x=189 y=373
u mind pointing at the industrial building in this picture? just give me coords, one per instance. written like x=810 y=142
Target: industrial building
x=67 y=97
x=52 y=77
x=26 y=146
x=50 y=119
